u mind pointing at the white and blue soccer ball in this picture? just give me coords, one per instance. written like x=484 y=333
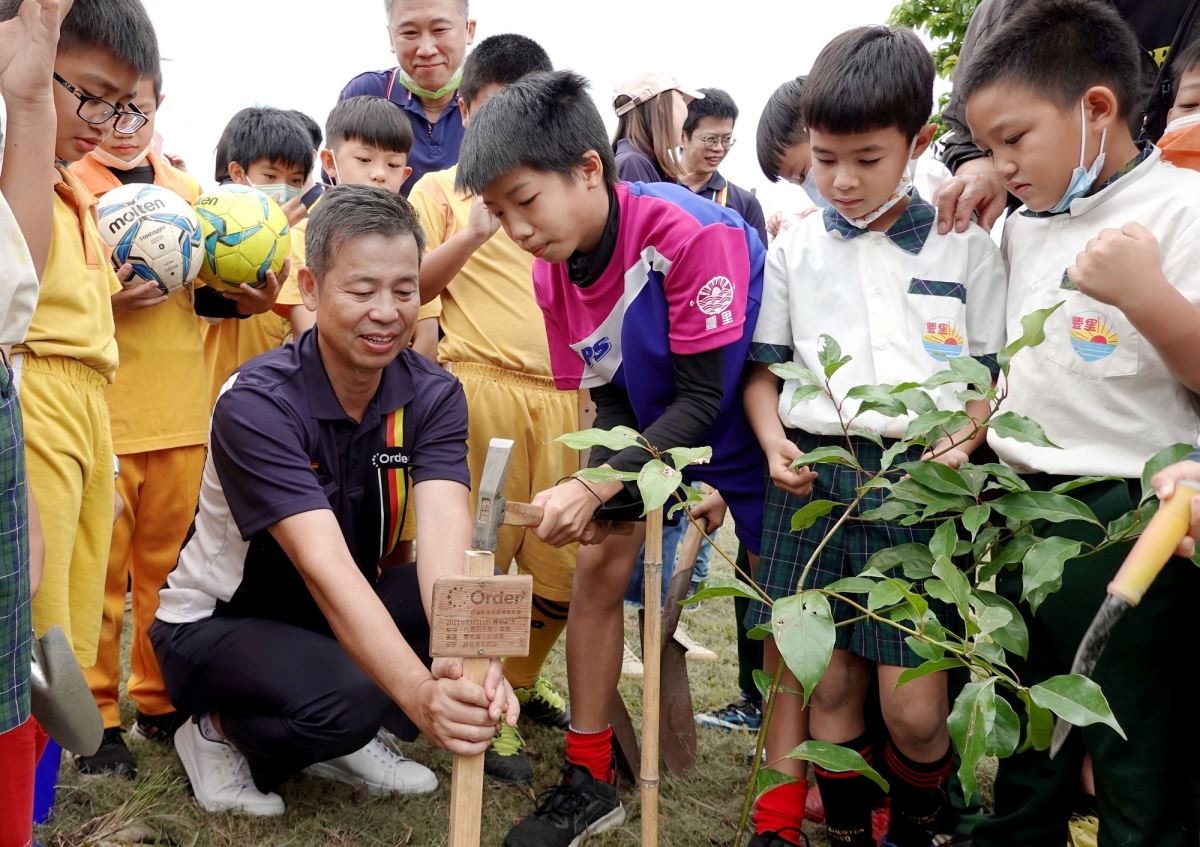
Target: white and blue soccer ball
x=154 y=230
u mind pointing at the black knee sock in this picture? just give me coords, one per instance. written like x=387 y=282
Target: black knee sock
x=849 y=798
x=918 y=796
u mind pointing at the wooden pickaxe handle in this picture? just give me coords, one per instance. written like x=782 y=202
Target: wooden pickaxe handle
x=527 y=514
x=1155 y=545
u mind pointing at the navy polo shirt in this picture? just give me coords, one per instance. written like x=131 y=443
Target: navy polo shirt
x=435 y=145
x=739 y=199
x=280 y=445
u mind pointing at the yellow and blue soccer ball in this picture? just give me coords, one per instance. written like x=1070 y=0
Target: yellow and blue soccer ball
x=154 y=230
x=245 y=233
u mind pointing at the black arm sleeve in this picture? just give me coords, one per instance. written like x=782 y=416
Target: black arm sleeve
x=209 y=303
x=957 y=145
x=692 y=412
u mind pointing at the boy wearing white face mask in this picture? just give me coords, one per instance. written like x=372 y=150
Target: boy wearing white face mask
x=159 y=428
x=270 y=150
x=872 y=272
x=1111 y=232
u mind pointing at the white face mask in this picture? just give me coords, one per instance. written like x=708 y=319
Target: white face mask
x=280 y=192
x=810 y=188
x=1082 y=179
x=903 y=187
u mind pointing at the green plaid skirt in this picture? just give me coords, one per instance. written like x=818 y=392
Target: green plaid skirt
x=784 y=552
x=16 y=627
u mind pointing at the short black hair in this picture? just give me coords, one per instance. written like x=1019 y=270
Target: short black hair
x=1058 y=49
x=716 y=103
x=867 y=79
x=546 y=122
x=350 y=211
x=309 y=125
x=373 y=121
x=501 y=60
x=121 y=27
x=260 y=132
x=780 y=127
x=156 y=80
x=1187 y=60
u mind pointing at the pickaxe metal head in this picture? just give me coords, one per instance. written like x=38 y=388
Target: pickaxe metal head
x=489 y=511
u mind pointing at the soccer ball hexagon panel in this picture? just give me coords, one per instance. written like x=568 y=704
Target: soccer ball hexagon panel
x=154 y=230
x=245 y=235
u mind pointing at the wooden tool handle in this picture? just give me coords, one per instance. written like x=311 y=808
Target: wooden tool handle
x=526 y=514
x=466 y=781
x=1154 y=547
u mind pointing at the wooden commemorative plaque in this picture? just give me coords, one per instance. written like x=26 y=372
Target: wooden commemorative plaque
x=481 y=616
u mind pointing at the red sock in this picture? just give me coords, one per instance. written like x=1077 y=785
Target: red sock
x=592 y=750
x=781 y=809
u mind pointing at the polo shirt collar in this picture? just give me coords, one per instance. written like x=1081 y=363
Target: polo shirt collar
x=909 y=232
x=715 y=183
x=395 y=385
x=1126 y=174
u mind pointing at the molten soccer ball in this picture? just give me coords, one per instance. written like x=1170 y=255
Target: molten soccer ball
x=154 y=230
x=246 y=234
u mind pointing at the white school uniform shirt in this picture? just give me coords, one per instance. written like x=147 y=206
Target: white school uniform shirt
x=1099 y=389
x=900 y=303
x=18 y=280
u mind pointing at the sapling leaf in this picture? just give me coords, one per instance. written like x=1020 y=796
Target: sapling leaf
x=838 y=759
x=605 y=475
x=1164 y=457
x=1019 y=428
x=681 y=457
x=657 y=482
x=810 y=512
x=617 y=438
x=1076 y=699
x=926 y=669
x=720 y=586
x=1042 y=572
x=831 y=455
x=792 y=370
x=804 y=633
x=1043 y=506
x=939 y=477
x=1033 y=333
x=969 y=724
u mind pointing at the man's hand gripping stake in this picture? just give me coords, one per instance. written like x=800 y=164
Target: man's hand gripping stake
x=479 y=617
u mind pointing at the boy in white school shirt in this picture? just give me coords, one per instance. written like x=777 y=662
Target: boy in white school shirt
x=872 y=272
x=1113 y=233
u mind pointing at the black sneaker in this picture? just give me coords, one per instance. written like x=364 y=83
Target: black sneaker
x=541 y=703
x=740 y=714
x=579 y=805
x=505 y=760
x=112 y=759
x=784 y=838
x=158 y=728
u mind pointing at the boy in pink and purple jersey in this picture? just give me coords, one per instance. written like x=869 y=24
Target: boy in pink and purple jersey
x=650 y=296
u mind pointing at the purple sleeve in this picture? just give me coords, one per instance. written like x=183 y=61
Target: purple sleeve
x=440 y=451
x=372 y=83
x=258 y=450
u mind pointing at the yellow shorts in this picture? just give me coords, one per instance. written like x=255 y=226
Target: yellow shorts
x=68 y=452
x=532 y=412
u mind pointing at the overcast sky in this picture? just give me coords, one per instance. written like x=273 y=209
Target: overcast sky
x=224 y=55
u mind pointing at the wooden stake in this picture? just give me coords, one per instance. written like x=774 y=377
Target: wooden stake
x=651 y=662
x=466 y=781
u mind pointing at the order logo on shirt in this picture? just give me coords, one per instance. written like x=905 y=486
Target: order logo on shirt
x=714 y=299
x=392 y=457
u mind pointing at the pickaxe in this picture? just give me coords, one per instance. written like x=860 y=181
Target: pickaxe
x=1149 y=555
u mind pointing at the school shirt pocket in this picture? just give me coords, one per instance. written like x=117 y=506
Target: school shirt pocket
x=939 y=309
x=1083 y=335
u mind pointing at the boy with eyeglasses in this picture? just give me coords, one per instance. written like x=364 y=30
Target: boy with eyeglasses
x=69 y=354
x=707 y=140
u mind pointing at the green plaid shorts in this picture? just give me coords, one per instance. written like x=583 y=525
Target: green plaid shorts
x=16 y=626
x=784 y=552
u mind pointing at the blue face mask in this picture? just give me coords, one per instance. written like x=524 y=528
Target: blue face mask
x=280 y=192
x=1082 y=179
x=810 y=188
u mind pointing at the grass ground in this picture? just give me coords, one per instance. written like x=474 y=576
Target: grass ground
x=698 y=809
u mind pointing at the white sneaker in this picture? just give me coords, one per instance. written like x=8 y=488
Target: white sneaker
x=631 y=665
x=380 y=769
x=696 y=652
x=220 y=775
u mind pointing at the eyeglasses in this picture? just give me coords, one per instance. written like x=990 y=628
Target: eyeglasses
x=716 y=142
x=98 y=111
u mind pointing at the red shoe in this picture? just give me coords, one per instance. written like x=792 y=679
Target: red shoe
x=814 y=807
